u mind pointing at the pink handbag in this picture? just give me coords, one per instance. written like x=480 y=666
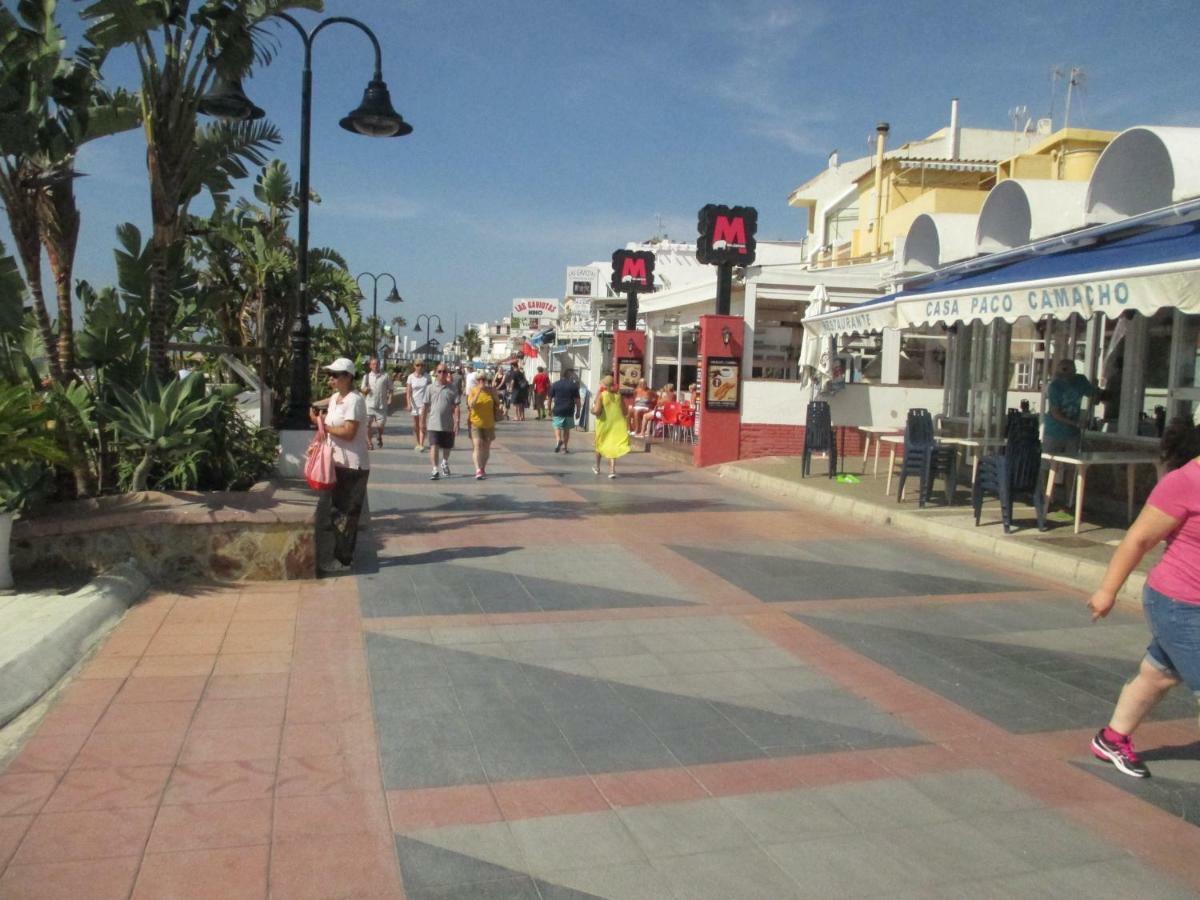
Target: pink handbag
x=318 y=470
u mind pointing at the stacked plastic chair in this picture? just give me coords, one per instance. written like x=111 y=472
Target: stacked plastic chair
x=927 y=459
x=687 y=424
x=670 y=419
x=819 y=437
x=1017 y=470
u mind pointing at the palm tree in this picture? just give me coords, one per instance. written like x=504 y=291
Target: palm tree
x=182 y=48
x=470 y=343
x=50 y=105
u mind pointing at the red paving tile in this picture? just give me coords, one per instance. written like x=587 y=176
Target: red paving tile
x=236 y=873
x=180 y=641
x=548 y=797
x=244 y=712
x=125 y=643
x=90 y=691
x=150 y=748
x=649 y=786
x=329 y=814
x=72 y=718
x=236 y=687
x=125 y=718
x=162 y=689
x=342 y=773
x=252 y=663
x=113 y=788
x=94 y=879
x=754 y=776
x=12 y=832
x=216 y=782
x=94 y=834
x=352 y=865
x=230 y=744
x=48 y=753
x=257 y=642
x=157 y=666
x=22 y=793
x=471 y=804
x=208 y=826
x=327 y=739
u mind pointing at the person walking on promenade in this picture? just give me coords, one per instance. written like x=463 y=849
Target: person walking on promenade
x=612 y=437
x=346 y=423
x=501 y=394
x=481 y=409
x=519 y=392
x=564 y=407
x=440 y=402
x=1170 y=599
x=541 y=389
x=417 y=386
x=458 y=379
x=377 y=388
x=398 y=377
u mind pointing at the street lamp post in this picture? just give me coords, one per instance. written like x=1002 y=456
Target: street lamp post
x=374 y=117
x=429 y=319
x=392 y=297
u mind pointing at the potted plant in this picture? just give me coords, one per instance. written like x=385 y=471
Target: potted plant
x=25 y=448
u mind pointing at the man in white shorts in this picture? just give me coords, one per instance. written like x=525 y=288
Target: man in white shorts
x=417 y=389
x=377 y=388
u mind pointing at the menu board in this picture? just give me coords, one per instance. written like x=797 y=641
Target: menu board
x=722 y=382
x=629 y=373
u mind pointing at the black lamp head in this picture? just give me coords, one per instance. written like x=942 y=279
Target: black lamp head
x=228 y=101
x=375 y=116
x=417 y=328
x=394 y=297
x=438 y=330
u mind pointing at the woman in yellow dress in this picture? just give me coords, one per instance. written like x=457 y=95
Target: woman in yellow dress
x=481 y=404
x=612 y=436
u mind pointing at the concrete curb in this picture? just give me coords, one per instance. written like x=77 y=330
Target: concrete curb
x=44 y=637
x=1078 y=574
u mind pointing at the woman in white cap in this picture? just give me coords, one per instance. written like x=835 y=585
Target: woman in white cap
x=346 y=423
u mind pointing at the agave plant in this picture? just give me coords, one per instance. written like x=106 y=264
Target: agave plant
x=158 y=419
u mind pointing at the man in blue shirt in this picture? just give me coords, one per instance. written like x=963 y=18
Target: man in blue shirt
x=564 y=407
x=1063 y=431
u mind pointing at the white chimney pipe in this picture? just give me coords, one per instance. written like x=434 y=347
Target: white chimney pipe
x=953 y=139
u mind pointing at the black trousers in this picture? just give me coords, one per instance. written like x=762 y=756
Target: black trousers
x=347 y=498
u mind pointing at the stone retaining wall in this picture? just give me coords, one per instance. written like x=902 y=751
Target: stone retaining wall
x=266 y=533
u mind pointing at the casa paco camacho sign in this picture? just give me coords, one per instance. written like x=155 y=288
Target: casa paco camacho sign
x=1034 y=302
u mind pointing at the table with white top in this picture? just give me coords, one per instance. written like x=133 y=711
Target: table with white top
x=975 y=446
x=875 y=432
x=893 y=441
x=1084 y=461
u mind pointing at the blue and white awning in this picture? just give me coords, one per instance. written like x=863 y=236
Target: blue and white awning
x=1144 y=272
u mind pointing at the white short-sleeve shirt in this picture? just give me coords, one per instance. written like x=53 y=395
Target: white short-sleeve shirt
x=419 y=385
x=354 y=453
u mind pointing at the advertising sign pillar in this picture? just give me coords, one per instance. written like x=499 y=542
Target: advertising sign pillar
x=632 y=274
x=720 y=357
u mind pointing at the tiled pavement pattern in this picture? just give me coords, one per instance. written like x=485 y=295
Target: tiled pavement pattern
x=548 y=685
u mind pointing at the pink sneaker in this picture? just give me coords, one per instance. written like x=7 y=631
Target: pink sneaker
x=1120 y=753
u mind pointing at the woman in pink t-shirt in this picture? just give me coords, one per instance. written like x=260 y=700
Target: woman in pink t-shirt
x=1171 y=598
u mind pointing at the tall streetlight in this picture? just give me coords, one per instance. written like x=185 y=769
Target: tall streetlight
x=374 y=117
x=392 y=297
x=428 y=321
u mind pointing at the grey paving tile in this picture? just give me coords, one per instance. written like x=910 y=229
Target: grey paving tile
x=576 y=841
x=581 y=725
x=775 y=816
x=1041 y=838
x=408 y=702
x=712 y=744
x=638 y=749
x=426 y=767
x=677 y=829
x=607 y=645
x=521 y=760
x=884 y=803
x=618 y=667
x=682 y=642
x=510 y=723
x=699 y=661
x=505 y=692
x=973 y=792
x=519 y=887
x=670 y=712
x=747 y=874
x=956 y=850
x=424 y=866
x=1114 y=879
x=848 y=865
x=618 y=881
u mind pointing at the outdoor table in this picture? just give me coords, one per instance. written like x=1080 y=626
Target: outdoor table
x=877 y=432
x=1084 y=461
x=975 y=446
x=895 y=440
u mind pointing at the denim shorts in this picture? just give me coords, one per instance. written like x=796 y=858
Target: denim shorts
x=1175 y=636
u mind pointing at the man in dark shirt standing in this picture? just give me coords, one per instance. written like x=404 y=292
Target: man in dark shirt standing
x=564 y=407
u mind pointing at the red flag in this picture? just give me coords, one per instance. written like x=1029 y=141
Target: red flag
x=529 y=350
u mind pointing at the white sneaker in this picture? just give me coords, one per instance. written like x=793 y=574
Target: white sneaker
x=435 y=475
x=595 y=470
x=446 y=468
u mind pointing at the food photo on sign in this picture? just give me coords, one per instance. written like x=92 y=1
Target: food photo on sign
x=629 y=373
x=723 y=382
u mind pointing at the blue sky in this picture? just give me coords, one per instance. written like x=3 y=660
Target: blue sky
x=550 y=132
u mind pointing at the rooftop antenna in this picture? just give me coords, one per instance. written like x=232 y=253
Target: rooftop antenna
x=1056 y=73
x=1076 y=80
x=1020 y=122
x=661 y=235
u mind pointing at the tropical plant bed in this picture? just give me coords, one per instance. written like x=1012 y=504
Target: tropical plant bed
x=266 y=533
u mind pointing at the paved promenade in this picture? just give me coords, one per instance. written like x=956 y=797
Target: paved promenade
x=552 y=685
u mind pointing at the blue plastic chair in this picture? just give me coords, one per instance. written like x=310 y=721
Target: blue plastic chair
x=927 y=459
x=818 y=437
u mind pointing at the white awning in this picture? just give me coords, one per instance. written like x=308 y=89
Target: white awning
x=864 y=318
